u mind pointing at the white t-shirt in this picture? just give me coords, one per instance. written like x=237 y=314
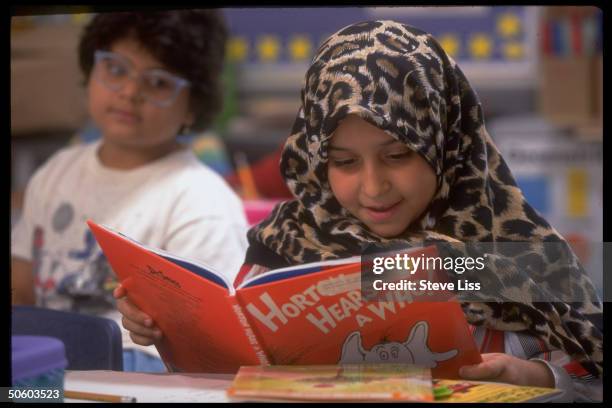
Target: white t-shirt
x=174 y=203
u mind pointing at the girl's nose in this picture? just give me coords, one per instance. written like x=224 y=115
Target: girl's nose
x=374 y=181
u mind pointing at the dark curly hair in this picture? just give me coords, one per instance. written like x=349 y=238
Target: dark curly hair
x=189 y=42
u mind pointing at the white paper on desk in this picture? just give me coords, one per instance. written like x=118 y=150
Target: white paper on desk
x=152 y=387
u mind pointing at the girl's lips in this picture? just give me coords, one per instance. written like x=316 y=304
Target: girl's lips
x=382 y=213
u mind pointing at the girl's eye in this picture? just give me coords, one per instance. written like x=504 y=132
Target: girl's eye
x=400 y=155
x=343 y=162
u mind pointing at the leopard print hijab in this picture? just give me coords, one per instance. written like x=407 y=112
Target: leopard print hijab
x=399 y=79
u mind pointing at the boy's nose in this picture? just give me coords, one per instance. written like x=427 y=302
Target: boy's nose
x=131 y=89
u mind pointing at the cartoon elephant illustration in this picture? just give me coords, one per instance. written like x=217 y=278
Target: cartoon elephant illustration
x=413 y=351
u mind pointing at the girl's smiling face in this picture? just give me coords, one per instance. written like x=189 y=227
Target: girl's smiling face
x=378 y=179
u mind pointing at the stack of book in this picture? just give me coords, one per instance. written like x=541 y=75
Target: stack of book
x=371 y=382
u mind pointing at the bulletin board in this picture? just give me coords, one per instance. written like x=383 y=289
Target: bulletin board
x=489 y=43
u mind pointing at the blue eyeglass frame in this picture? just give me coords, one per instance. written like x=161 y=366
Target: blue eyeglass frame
x=180 y=82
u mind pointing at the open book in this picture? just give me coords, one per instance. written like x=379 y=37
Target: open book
x=305 y=315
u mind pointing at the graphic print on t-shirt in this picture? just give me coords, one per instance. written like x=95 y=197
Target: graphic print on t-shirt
x=76 y=277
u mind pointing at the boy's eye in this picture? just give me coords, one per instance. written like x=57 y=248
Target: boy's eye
x=159 y=81
x=115 y=68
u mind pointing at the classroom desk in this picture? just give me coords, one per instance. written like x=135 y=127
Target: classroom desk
x=159 y=387
x=151 y=387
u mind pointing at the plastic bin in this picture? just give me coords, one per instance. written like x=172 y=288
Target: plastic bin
x=38 y=363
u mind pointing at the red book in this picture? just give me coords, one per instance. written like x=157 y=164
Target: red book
x=310 y=314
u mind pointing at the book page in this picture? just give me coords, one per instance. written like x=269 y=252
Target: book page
x=201 y=330
x=297 y=270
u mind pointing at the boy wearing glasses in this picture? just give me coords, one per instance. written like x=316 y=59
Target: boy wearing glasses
x=149 y=77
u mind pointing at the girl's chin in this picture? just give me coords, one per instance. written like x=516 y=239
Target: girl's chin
x=390 y=231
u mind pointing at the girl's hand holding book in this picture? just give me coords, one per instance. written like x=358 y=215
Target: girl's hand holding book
x=141 y=327
x=500 y=367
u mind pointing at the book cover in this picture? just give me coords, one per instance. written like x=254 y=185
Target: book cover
x=321 y=318
x=310 y=314
x=481 y=391
x=359 y=382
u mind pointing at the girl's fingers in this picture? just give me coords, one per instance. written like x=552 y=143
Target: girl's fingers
x=492 y=356
x=140 y=330
x=119 y=292
x=141 y=340
x=487 y=370
x=131 y=312
x=139 y=324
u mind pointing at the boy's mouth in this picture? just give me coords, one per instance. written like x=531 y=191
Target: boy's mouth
x=125 y=116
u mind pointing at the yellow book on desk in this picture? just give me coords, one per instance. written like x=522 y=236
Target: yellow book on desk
x=480 y=391
x=351 y=382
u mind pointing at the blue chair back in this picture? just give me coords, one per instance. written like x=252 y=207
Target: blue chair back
x=91 y=342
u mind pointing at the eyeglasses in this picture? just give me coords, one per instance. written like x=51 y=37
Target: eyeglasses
x=156 y=85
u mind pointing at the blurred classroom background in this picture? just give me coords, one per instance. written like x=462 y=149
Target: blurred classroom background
x=537 y=70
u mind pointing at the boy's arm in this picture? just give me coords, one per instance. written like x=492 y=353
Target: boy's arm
x=22 y=282
x=23 y=235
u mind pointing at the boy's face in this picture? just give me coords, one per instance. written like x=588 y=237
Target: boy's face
x=378 y=179
x=125 y=118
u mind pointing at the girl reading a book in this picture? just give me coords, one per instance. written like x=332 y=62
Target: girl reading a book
x=390 y=144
